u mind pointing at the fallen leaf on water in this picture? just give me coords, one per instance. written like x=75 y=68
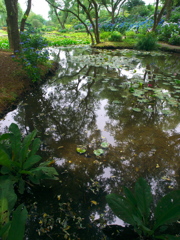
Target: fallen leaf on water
x=166 y=178
x=60 y=147
x=94 y=202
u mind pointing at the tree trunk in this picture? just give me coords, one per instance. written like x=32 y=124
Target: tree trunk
x=169 y=9
x=12 y=24
x=59 y=20
x=25 y=16
x=157 y=17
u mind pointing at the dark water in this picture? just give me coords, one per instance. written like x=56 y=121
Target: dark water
x=133 y=105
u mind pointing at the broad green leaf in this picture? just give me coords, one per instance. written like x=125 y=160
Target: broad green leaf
x=4 y=159
x=44 y=173
x=26 y=143
x=121 y=208
x=7 y=191
x=15 y=139
x=143 y=197
x=4 y=212
x=5 y=136
x=168 y=209
x=17 y=228
x=4 y=230
x=31 y=161
x=35 y=147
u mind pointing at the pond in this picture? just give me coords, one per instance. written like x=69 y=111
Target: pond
x=123 y=103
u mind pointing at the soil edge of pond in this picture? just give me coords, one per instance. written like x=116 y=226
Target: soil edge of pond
x=14 y=82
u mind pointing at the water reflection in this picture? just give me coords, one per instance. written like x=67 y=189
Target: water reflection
x=79 y=107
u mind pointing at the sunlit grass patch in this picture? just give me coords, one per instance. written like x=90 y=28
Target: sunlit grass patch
x=4 y=43
x=64 y=39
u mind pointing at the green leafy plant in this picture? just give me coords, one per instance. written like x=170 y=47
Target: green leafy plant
x=167 y=30
x=105 y=35
x=174 y=39
x=11 y=227
x=32 y=54
x=130 y=34
x=147 y=42
x=116 y=37
x=18 y=158
x=135 y=209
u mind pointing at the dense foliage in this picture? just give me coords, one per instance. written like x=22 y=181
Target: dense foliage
x=32 y=54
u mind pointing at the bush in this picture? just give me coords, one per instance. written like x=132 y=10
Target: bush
x=175 y=40
x=148 y=42
x=147 y=220
x=175 y=17
x=32 y=54
x=131 y=34
x=166 y=30
x=105 y=35
x=116 y=37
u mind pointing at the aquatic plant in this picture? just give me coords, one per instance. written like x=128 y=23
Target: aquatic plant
x=135 y=209
x=18 y=157
x=12 y=222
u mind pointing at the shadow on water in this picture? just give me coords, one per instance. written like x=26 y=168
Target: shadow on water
x=128 y=99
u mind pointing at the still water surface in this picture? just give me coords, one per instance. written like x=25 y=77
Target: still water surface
x=128 y=99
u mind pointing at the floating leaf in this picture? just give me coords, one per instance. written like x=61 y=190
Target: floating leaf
x=81 y=150
x=94 y=202
x=166 y=112
x=116 y=101
x=149 y=110
x=104 y=144
x=98 y=152
x=136 y=109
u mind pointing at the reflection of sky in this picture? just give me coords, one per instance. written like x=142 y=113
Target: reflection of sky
x=102 y=118
x=7 y=120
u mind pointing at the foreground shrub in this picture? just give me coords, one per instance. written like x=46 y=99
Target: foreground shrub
x=116 y=37
x=18 y=159
x=135 y=208
x=147 y=42
x=175 y=40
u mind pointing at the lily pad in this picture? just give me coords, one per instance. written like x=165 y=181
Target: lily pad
x=98 y=152
x=81 y=150
x=104 y=145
